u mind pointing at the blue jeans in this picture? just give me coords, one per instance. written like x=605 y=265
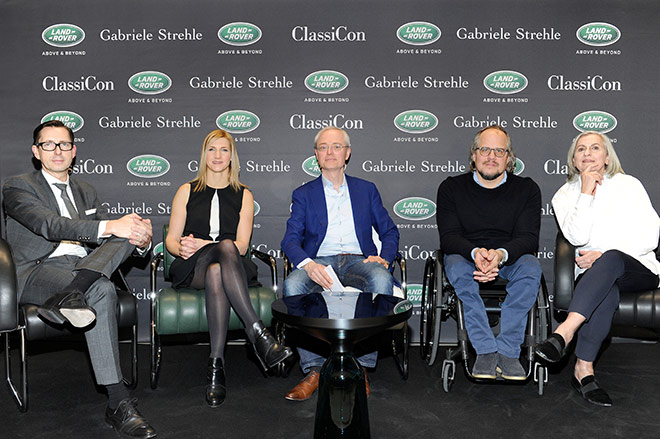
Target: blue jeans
x=524 y=277
x=351 y=271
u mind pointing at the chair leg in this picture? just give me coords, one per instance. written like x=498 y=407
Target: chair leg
x=400 y=345
x=132 y=383
x=155 y=358
x=21 y=398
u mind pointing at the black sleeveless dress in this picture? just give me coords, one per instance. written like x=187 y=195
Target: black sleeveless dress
x=198 y=214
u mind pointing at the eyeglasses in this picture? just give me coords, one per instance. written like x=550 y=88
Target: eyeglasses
x=50 y=146
x=499 y=152
x=335 y=147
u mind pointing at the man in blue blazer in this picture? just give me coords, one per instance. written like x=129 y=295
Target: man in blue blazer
x=331 y=224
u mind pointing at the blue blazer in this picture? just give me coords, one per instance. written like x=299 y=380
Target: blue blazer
x=308 y=223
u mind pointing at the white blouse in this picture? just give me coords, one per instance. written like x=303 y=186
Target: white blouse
x=619 y=216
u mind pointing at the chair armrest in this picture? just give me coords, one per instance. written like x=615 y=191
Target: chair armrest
x=8 y=294
x=270 y=261
x=564 y=272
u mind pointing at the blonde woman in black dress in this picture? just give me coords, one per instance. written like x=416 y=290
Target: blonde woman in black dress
x=210 y=228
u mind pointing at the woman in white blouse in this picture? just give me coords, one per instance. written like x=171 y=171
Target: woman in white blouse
x=608 y=217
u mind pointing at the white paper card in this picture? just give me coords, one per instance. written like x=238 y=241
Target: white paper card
x=336 y=284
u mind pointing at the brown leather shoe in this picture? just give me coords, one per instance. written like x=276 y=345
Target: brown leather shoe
x=305 y=388
x=366 y=383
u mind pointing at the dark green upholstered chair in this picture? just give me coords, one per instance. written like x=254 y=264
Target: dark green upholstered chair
x=183 y=310
x=23 y=322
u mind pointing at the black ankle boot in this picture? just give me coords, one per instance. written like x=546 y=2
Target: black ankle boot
x=268 y=350
x=216 y=390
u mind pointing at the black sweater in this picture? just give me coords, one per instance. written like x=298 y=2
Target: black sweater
x=470 y=216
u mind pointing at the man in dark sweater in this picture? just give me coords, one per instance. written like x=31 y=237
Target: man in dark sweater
x=489 y=221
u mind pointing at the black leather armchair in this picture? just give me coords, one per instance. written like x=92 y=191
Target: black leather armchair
x=26 y=323
x=639 y=310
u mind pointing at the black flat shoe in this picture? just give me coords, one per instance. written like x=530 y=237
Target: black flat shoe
x=589 y=389
x=68 y=306
x=552 y=349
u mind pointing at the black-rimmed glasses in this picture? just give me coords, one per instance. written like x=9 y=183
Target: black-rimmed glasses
x=50 y=146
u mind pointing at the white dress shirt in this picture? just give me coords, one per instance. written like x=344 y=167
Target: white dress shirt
x=340 y=237
x=73 y=248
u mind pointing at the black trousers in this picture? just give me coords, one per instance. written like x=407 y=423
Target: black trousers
x=597 y=295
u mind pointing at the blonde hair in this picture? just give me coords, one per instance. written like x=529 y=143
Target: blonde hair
x=611 y=169
x=234 y=165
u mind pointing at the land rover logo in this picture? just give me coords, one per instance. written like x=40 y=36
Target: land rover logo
x=414 y=208
x=418 y=33
x=68 y=118
x=149 y=82
x=311 y=167
x=257 y=208
x=595 y=120
x=326 y=82
x=598 y=34
x=238 y=121
x=148 y=166
x=63 y=35
x=505 y=82
x=518 y=167
x=415 y=121
x=239 y=34
x=414 y=292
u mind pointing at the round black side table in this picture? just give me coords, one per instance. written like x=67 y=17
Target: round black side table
x=341 y=409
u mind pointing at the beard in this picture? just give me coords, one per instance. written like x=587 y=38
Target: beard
x=490 y=177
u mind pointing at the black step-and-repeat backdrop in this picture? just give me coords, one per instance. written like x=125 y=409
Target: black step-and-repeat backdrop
x=142 y=82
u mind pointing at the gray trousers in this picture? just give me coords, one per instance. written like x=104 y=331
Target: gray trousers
x=54 y=274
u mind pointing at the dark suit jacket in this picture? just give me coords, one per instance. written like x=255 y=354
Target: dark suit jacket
x=308 y=223
x=35 y=226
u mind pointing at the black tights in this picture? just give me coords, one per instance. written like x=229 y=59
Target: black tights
x=220 y=271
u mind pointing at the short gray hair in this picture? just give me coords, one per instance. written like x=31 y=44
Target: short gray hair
x=347 y=139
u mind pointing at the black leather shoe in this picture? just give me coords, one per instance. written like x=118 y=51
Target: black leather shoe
x=268 y=350
x=215 y=390
x=128 y=422
x=68 y=306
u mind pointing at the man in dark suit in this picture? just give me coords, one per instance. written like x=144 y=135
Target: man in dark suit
x=65 y=250
x=331 y=224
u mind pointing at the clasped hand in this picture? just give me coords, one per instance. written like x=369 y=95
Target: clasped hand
x=190 y=245
x=132 y=227
x=486 y=263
